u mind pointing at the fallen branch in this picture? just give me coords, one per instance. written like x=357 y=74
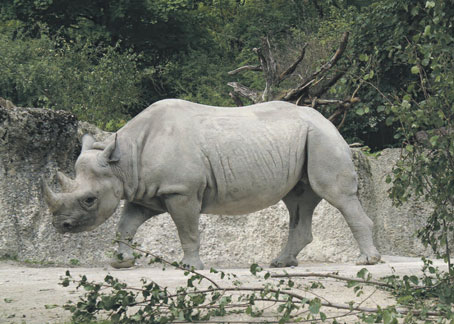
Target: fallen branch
x=302 y=299
x=173 y=264
x=330 y=275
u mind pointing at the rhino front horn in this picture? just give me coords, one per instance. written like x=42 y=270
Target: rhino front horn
x=67 y=184
x=50 y=197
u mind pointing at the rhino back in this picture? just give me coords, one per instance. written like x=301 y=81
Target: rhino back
x=247 y=158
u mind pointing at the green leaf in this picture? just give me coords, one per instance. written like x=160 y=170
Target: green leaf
x=255 y=268
x=381 y=108
x=433 y=140
x=430 y=4
x=362 y=273
x=414 y=279
x=415 y=69
x=363 y=57
x=314 y=306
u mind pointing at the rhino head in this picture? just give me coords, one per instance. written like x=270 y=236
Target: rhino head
x=88 y=200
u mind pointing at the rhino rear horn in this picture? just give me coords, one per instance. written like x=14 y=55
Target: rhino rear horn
x=67 y=184
x=51 y=198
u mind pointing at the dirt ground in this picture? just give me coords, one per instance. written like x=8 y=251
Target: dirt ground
x=32 y=294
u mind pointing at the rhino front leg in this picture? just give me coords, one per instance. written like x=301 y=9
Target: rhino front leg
x=301 y=202
x=132 y=217
x=185 y=212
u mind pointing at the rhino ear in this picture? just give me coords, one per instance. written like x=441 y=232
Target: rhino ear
x=112 y=152
x=87 y=142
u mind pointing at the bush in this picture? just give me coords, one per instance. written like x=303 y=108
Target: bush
x=98 y=84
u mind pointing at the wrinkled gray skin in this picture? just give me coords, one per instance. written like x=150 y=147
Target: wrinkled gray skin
x=186 y=159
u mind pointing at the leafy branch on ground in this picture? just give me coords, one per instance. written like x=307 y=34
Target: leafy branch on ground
x=266 y=298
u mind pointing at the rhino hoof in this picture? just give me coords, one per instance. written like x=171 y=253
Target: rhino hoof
x=196 y=264
x=368 y=259
x=284 y=262
x=122 y=264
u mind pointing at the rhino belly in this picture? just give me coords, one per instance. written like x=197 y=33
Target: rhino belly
x=247 y=200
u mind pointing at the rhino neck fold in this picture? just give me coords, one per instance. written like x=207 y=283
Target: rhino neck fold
x=126 y=169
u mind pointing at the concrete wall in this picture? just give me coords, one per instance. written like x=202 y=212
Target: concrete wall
x=36 y=142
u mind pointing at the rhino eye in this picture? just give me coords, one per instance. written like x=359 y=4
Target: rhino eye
x=89 y=201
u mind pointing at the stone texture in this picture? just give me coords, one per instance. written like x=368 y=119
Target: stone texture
x=35 y=142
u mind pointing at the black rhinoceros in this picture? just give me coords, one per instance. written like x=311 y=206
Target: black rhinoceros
x=185 y=158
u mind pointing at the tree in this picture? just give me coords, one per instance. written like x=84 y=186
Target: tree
x=308 y=90
x=425 y=112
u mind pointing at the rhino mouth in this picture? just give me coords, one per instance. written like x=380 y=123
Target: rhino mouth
x=70 y=226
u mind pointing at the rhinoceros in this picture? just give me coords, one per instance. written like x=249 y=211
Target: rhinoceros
x=186 y=159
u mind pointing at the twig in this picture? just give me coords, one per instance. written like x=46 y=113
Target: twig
x=330 y=275
x=169 y=263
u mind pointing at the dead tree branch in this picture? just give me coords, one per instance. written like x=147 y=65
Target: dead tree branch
x=236 y=99
x=309 y=92
x=330 y=83
x=246 y=68
x=244 y=91
x=293 y=67
x=294 y=94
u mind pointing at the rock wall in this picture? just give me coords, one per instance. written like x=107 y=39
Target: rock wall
x=36 y=142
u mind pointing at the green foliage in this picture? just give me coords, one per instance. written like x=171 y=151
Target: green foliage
x=98 y=84
x=425 y=111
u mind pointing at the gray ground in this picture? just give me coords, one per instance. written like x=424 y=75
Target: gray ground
x=32 y=294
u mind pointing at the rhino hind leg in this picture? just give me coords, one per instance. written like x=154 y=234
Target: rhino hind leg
x=361 y=226
x=335 y=180
x=131 y=218
x=301 y=202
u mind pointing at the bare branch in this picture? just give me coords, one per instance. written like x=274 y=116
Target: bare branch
x=331 y=275
x=236 y=99
x=167 y=262
x=317 y=101
x=246 y=68
x=296 y=93
x=323 y=89
x=343 y=119
x=292 y=67
x=245 y=91
x=269 y=67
